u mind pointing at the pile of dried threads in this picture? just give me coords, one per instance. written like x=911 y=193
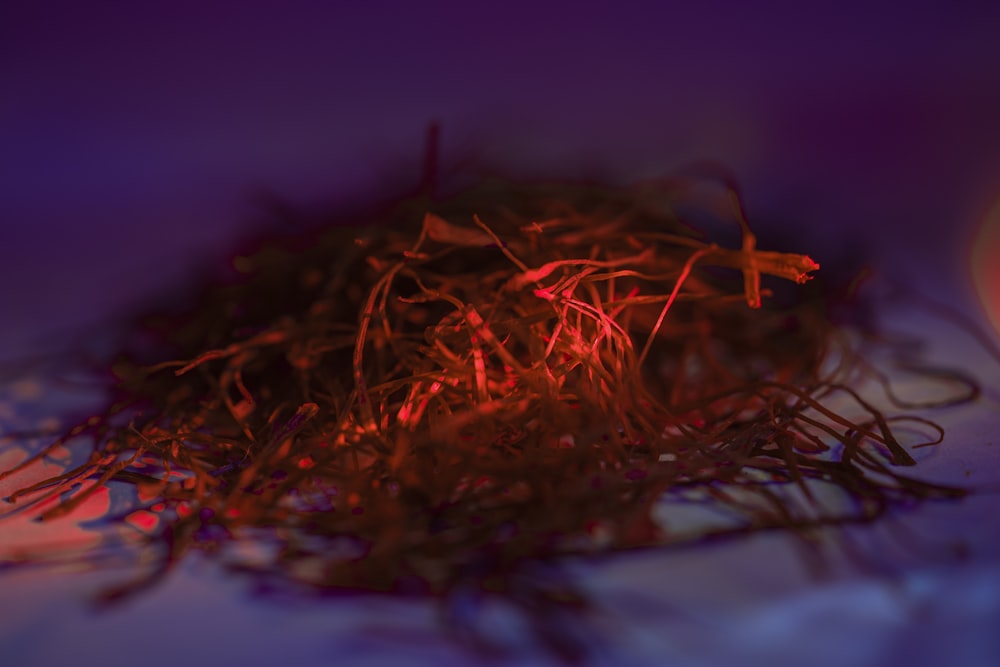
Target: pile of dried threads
x=511 y=374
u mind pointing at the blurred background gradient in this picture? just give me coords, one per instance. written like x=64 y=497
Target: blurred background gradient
x=134 y=137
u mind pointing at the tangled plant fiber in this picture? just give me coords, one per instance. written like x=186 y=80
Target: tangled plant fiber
x=515 y=373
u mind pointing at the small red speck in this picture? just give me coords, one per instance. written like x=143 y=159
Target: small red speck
x=232 y=513
x=353 y=499
x=142 y=520
x=158 y=507
x=306 y=462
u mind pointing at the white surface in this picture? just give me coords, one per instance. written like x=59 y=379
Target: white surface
x=747 y=601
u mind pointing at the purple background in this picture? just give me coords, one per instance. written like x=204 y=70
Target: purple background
x=133 y=135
